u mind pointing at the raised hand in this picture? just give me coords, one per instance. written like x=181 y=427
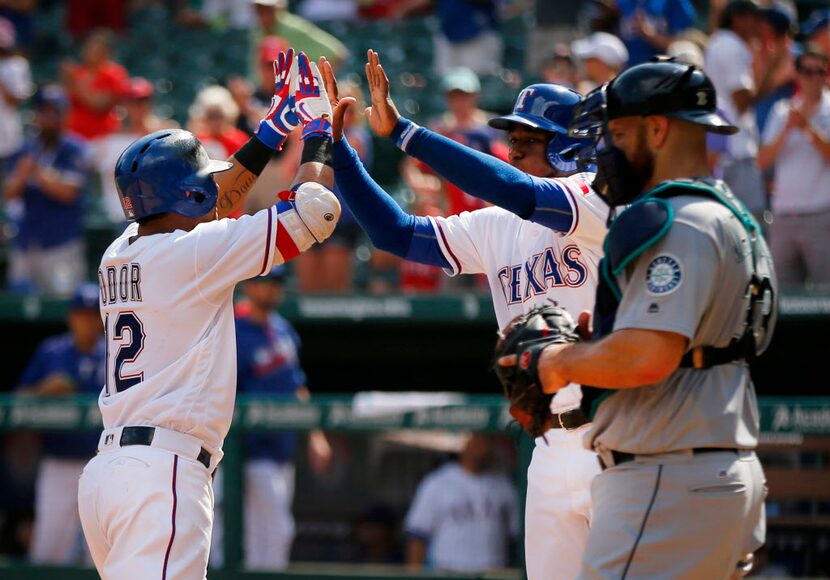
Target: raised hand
x=338 y=105
x=311 y=100
x=382 y=115
x=280 y=119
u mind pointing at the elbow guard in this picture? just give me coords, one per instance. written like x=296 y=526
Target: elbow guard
x=316 y=211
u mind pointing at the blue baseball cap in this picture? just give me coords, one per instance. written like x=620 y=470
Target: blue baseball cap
x=53 y=95
x=277 y=273
x=781 y=17
x=819 y=20
x=85 y=298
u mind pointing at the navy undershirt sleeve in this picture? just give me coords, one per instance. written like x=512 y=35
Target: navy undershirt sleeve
x=487 y=177
x=389 y=227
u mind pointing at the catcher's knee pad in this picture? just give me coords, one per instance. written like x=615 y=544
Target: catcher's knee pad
x=318 y=207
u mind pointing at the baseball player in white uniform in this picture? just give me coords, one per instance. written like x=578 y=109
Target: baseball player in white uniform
x=543 y=242
x=146 y=500
x=463 y=516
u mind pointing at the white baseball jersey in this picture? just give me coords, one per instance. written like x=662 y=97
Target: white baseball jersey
x=466 y=519
x=528 y=264
x=166 y=302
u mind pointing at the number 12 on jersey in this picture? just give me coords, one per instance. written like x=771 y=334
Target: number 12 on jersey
x=127 y=336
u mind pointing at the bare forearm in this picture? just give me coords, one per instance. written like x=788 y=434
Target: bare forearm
x=57 y=189
x=624 y=359
x=234 y=186
x=14 y=187
x=315 y=171
x=820 y=142
x=416 y=551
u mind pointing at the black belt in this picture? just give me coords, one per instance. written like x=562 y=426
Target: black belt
x=569 y=419
x=622 y=457
x=142 y=435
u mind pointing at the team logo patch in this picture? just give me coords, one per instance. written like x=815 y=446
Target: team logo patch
x=664 y=275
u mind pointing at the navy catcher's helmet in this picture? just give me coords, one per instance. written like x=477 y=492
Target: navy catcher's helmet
x=659 y=87
x=167 y=171
x=548 y=107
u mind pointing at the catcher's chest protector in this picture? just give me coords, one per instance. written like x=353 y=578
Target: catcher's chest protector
x=635 y=230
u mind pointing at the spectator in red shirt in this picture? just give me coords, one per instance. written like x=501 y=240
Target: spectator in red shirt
x=95 y=86
x=465 y=123
x=213 y=118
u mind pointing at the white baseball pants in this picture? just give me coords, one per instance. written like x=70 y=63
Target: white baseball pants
x=146 y=513
x=558 y=508
x=268 y=522
x=57 y=529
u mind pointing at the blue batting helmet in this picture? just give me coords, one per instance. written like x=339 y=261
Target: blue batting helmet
x=548 y=107
x=167 y=171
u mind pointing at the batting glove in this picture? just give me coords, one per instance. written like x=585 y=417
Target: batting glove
x=280 y=119
x=311 y=100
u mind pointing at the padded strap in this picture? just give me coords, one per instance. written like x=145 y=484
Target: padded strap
x=636 y=229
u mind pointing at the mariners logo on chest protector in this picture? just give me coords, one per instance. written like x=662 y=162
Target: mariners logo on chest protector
x=663 y=275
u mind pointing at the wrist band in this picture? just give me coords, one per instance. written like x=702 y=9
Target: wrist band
x=403 y=132
x=254 y=155
x=319 y=150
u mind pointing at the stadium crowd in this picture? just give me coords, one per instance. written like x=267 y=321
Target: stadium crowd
x=64 y=123
x=63 y=130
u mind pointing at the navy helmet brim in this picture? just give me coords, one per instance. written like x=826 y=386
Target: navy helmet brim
x=214 y=166
x=713 y=121
x=504 y=122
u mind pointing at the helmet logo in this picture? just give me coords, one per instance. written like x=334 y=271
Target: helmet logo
x=523 y=96
x=702 y=99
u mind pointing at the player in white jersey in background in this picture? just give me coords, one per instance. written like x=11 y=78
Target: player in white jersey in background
x=146 y=499
x=464 y=515
x=543 y=243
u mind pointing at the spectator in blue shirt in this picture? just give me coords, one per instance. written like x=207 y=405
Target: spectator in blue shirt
x=67 y=364
x=268 y=363
x=49 y=176
x=647 y=27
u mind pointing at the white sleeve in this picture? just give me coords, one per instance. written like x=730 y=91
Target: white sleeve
x=460 y=239
x=19 y=83
x=590 y=212
x=776 y=121
x=421 y=519
x=738 y=69
x=231 y=250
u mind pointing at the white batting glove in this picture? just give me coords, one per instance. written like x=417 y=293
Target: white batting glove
x=311 y=102
x=280 y=119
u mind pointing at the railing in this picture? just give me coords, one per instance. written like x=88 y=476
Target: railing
x=783 y=420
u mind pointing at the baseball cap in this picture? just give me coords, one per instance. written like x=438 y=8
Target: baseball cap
x=270 y=48
x=53 y=95
x=274 y=3
x=277 y=274
x=603 y=46
x=686 y=52
x=781 y=17
x=818 y=21
x=85 y=297
x=461 y=79
x=139 y=88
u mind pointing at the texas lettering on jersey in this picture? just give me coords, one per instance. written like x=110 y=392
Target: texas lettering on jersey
x=552 y=268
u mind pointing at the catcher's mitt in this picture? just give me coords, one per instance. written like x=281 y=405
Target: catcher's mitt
x=525 y=337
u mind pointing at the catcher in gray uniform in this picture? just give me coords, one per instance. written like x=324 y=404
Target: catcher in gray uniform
x=687 y=298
